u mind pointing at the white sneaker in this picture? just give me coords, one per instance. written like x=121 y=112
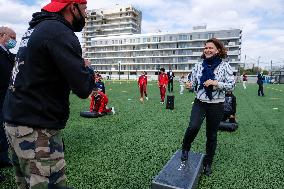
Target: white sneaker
x=147 y=98
x=112 y=110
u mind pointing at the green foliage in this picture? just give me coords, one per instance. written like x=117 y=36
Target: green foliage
x=126 y=150
x=253 y=71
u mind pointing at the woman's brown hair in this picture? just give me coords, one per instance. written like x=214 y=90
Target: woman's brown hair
x=219 y=45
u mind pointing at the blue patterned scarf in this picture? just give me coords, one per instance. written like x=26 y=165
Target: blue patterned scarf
x=209 y=65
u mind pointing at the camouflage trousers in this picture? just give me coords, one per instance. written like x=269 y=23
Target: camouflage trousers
x=38 y=157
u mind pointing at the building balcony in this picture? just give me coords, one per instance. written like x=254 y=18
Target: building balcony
x=162 y=42
x=111 y=24
x=145 y=63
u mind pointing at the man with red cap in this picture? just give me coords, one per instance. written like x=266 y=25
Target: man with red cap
x=48 y=66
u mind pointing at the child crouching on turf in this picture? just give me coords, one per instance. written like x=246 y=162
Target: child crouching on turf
x=99 y=102
x=230 y=106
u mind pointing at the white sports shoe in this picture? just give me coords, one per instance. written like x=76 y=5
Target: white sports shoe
x=112 y=110
x=147 y=98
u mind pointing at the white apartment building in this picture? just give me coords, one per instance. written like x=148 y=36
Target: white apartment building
x=119 y=20
x=129 y=54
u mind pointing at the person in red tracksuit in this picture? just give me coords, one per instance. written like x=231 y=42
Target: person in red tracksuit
x=99 y=102
x=142 y=84
x=162 y=83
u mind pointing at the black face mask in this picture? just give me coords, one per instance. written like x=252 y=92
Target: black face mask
x=78 y=24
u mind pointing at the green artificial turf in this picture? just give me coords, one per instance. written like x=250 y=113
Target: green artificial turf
x=126 y=150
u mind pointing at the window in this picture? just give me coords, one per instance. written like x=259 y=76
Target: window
x=210 y=35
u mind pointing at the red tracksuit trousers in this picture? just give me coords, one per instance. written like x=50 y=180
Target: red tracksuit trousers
x=162 y=92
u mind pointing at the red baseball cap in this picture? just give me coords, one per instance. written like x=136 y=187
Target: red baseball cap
x=58 y=5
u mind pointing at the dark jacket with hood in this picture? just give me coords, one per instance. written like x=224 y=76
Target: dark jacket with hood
x=6 y=66
x=48 y=65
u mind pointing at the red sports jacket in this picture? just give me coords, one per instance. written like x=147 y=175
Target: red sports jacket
x=142 y=80
x=98 y=103
x=163 y=79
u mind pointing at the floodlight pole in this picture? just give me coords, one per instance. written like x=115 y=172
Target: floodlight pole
x=128 y=71
x=119 y=62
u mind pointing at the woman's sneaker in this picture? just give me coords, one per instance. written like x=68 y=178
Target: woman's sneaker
x=184 y=155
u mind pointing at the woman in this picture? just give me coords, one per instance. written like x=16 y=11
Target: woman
x=210 y=79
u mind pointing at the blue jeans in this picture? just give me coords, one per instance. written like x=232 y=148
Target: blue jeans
x=214 y=114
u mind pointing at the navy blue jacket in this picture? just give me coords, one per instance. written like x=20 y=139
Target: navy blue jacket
x=171 y=77
x=48 y=66
x=6 y=66
x=260 y=79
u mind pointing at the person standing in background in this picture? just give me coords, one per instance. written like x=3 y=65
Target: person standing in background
x=245 y=78
x=162 y=83
x=260 y=79
x=142 y=84
x=171 y=76
x=7 y=59
x=181 y=84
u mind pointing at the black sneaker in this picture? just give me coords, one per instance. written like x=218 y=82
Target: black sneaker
x=207 y=170
x=184 y=155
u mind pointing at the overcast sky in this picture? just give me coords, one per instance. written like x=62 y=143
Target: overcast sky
x=262 y=21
